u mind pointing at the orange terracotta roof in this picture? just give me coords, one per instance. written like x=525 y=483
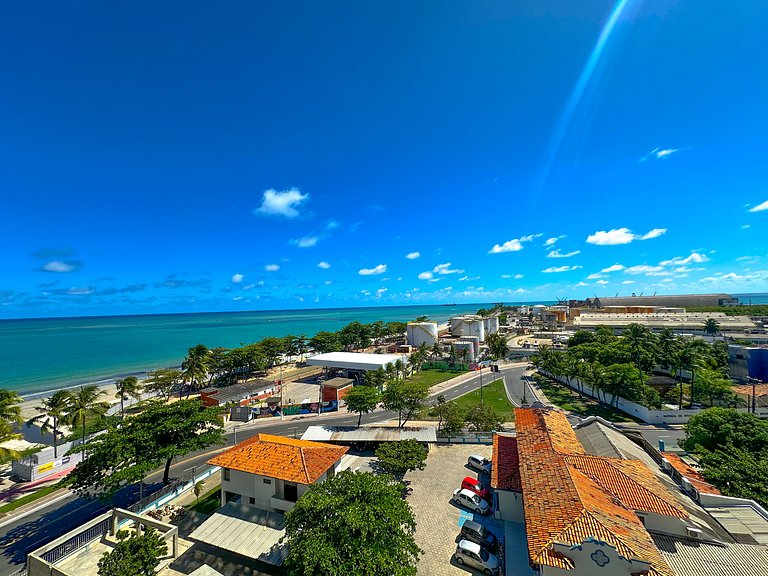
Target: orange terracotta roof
x=693 y=475
x=746 y=389
x=287 y=459
x=629 y=481
x=505 y=472
x=565 y=505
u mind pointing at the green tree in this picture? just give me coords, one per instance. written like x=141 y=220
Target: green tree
x=352 y=523
x=451 y=419
x=399 y=457
x=162 y=381
x=10 y=411
x=7 y=433
x=134 y=555
x=497 y=346
x=194 y=368
x=324 y=342
x=53 y=410
x=362 y=400
x=483 y=418
x=715 y=428
x=355 y=335
x=404 y=397
x=711 y=326
x=144 y=442
x=129 y=387
x=86 y=404
x=642 y=343
x=692 y=356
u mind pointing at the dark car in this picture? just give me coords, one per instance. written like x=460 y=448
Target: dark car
x=479 y=534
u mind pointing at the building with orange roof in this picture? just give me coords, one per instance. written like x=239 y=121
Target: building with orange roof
x=271 y=472
x=583 y=514
x=681 y=471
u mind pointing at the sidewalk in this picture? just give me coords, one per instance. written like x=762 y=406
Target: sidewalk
x=23 y=488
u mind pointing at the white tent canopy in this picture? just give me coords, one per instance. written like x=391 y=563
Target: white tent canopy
x=354 y=360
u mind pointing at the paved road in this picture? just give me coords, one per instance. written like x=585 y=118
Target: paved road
x=20 y=537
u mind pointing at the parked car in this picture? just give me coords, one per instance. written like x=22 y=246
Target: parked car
x=479 y=534
x=474 y=555
x=479 y=463
x=477 y=487
x=470 y=500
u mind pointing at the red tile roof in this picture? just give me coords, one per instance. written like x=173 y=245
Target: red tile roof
x=693 y=475
x=287 y=459
x=746 y=389
x=505 y=472
x=569 y=497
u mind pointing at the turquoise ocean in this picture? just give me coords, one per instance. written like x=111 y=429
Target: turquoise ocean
x=40 y=355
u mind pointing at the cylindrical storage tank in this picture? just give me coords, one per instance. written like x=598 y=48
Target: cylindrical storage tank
x=491 y=325
x=421 y=333
x=475 y=327
x=464 y=345
x=457 y=323
x=475 y=343
x=538 y=309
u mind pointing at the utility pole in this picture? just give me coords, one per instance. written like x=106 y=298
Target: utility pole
x=281 y=391
x=481 y=383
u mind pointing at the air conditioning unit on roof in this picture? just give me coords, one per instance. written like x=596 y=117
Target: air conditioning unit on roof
x=666 y=465
x=693 y=532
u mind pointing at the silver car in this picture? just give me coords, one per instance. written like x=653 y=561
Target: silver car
x=471 y=554
x=470 y=500
x=479 y=463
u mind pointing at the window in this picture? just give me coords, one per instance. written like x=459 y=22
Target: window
x=291 y=492
x=267 y=480
x=226 y=474
x=252 y=501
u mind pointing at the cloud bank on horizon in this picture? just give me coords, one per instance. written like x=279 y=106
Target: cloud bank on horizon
x=330 y=172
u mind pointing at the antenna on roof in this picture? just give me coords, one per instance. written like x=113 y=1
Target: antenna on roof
x=617 y=295
x=654 y=293
x=641 y=293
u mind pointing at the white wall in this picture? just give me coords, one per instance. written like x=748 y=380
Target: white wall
x=510 y=506
x=594 y=557
x=261 y=488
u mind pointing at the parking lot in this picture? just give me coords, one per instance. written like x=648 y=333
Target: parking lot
x=438 y=520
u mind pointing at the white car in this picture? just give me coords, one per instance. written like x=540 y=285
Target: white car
x=479 y=463
x=475 y=556
x=470 y=501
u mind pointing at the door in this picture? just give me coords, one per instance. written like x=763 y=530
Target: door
x=290 y=492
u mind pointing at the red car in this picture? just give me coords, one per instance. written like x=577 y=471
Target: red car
x=475 y=486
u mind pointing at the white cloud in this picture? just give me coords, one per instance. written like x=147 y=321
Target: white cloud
x=272 y=267
x=520 y=291
x=693 y=258
x=551 y=241
x=80 y=291
x=655 y=233
x=284 y=203
x=594 y=276
x=237 y=278
x=613 y=268
x=760 y=207
x=425 y=276
x=468 y=278
x=305 y=241
x=381 y=291
x=324 y=265
x=643 y=269
x=518 y=276
x=328 y=282
x=513 y=245
x=618 y=236
x=628 y=282
x=446 y=269
x=380 y=269
x=662 y=153
x=745 y=226
x=580 y=284
x=413 y=255
x=505 y=276
x=560 y=269
x=602 y=282
x=58 y=266
x=558 y=254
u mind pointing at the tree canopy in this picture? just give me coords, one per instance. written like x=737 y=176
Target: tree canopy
x=362 y=400
x=352 y=523
x=134 y=555
x=142 y=443
x=402 y=456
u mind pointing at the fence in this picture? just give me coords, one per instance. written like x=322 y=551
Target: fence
x=466 y=439
x=78 y=541
x=167 y=493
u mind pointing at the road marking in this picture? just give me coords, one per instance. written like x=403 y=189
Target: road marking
x=33 y=510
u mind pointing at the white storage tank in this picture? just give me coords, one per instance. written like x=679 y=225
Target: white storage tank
x=464 y=345
x=491 y=325
x=421 y=333
x=456 y=324
x=475 y=343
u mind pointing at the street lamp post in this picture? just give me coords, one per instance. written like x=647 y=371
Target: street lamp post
x=481 y=383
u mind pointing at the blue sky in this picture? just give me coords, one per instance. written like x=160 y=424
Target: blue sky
x=193 y=156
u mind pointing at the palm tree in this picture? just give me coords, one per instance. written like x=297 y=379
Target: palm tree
x=691 y=356
x=437 y=352
x=571 y=368
x=640 y=339
x=7 y=433
x=195 y=366
x=399 y=368
x=10 y=411
x=86 y=404
x=711 y=327
x=594 y=375
x=129 y=387
x=198 y=489
x=53 y=411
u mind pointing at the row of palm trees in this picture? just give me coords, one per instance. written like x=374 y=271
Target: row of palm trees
x=10 y=414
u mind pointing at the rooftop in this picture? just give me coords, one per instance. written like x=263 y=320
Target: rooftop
x=696 y=558
x=693 y=475
x=505 y=472
x=353 y=360
x=288 y=459
x=369 y=434
x=746 y=389
x=338 y=383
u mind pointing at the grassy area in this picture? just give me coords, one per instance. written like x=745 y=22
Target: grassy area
x=493 y=396
x=209 y=502
x=429 y=378
x=568 y=399
x=31 y=497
